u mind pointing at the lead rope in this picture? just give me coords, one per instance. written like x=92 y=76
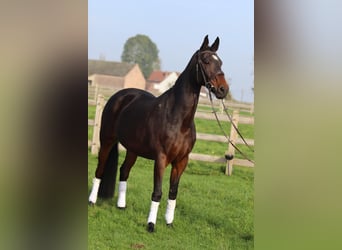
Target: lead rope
x=228 y=138
x=209 y=86
x=237 y=130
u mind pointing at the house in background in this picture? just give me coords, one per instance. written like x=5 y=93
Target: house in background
x=160 y=81
x=115 y=75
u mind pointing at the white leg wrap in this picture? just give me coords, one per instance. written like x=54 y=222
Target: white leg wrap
x=94 y=190
x=170 y=211
x=153 y=212
x=122 y=194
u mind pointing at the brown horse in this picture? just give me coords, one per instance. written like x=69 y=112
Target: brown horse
x=158 y=128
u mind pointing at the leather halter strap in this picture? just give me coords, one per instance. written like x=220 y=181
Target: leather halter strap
x=199 y=65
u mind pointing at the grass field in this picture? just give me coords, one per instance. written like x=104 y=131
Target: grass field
x=213 y=211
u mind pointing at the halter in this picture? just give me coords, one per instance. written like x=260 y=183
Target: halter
x=207 y=83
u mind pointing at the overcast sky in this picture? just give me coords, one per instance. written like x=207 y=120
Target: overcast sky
x=178 y=27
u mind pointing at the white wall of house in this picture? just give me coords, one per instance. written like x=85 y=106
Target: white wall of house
x=167 y=83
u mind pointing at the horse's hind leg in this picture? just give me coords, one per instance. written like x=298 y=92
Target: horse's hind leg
x=124 y=173
x=102 y=159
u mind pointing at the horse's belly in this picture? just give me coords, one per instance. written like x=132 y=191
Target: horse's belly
x=134 y=137
x=139 y=149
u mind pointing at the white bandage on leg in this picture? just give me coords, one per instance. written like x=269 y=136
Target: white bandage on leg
x=170 y=211
x=122 y=194
x=153 y=212
x=94 y=190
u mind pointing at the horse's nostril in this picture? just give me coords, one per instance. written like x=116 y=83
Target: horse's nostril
x=222 y=89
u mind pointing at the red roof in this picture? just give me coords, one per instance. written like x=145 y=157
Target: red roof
x=158 y=76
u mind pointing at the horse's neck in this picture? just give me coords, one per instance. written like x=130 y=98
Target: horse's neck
x=186 y=94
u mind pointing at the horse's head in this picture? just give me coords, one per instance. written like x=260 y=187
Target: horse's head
x=208 y=69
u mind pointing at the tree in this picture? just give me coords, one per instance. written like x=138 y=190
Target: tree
x=141 y=50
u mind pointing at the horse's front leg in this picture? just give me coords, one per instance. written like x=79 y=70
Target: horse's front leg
x=176 y=172
x=159 y=167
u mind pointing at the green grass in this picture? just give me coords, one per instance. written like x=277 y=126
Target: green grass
x=211 y=126
x=91 y=112
x=213 y=211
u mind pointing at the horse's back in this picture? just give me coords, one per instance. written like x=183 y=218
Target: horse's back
x=123 y=98
x=127 y=95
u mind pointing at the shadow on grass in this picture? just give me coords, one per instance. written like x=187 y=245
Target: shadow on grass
x=200 y=168
x=247 y=237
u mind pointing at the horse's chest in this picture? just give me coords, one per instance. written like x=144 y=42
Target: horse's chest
x=178 y=144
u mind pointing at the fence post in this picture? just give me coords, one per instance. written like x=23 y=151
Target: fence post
x=233 y=136
x=95 y=145
x=96 y=92
x=222 y=107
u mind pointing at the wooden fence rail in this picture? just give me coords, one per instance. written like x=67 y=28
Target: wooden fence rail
x=220 y=159
x=200 y=136
x=220 y=138
x=249 y=107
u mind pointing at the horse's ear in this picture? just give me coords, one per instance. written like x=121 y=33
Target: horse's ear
x=215 y=45
x=205 y=43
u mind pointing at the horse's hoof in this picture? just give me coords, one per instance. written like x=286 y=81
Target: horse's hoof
x=91 y=204
x=121 y=208
x=170 y=225
x=150 y=227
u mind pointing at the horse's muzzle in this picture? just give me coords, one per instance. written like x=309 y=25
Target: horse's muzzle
x=219 y=86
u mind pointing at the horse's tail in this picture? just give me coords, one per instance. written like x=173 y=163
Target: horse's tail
x=107 y=185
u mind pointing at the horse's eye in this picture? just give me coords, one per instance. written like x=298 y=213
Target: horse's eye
x=206 y=60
